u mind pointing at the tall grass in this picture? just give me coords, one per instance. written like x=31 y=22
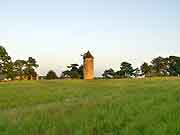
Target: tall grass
x=98 y=107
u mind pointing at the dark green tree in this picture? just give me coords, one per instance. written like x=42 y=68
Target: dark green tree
x=174 y=66
x=108 y=73
x=19 y=66
x=6 y=64
x=81 y=72
x=73 y=67
x=51 y=75
x=119 y=74
x=126 y=69
x=65 y=74
x=4 y=58
x=160 y=66
x=30 y=67
x=136 y=72
x=10 y=73
x=146 y=69
x=75 y=72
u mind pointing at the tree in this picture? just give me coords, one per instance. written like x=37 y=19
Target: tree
x=119 y=74
x=10 y=69
x=160 y=66
x=75 y=71
x=10 y=73
x=65 y=74
x=136 y=72
x=6 y=64
x=19 y=66
x=30 y=66
x=81 y=71
x=51 y=75
x=4 y=58
x=126 y=69
x=146 y=69
x=108 y=73
x=73 y=67
x=174 y=65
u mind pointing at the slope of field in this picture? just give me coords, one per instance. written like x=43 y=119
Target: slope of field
x=98 y=107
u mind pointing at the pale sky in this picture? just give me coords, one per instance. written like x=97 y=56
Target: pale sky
x=57 y=32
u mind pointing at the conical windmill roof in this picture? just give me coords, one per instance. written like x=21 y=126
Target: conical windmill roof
x=88 y=55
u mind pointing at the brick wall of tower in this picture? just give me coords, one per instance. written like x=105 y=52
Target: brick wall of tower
x=88 y=68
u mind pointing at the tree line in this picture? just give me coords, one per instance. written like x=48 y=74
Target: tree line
x=19 y=69
x=74 y=71
x=168 y=66
x=26 y=69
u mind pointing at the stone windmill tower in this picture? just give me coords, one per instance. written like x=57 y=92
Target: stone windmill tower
x=88 y=66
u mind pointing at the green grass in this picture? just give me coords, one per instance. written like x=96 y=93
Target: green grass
x=98 y=107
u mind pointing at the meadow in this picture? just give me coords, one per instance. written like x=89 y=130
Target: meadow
x=98 y=107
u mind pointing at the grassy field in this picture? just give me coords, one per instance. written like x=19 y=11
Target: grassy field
x=98 y=107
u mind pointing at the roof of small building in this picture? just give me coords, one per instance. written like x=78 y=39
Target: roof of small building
x=88 y=55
